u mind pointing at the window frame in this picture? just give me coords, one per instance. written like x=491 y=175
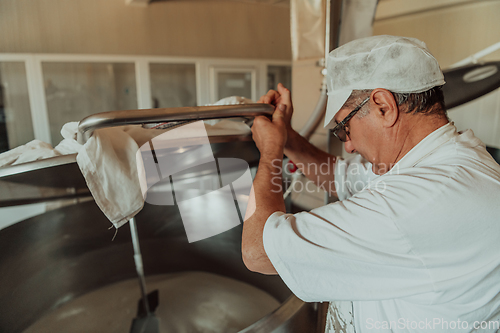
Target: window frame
x=206 y=69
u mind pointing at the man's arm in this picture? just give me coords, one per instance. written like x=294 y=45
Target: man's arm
x=313 y=162
x=273 y=138
x=266 y=198
x=267 y=193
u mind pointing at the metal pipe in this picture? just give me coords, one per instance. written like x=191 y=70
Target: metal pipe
x=334 y=29
x=319 y=112
x=131 y=117
x=327 y=29
x=473 y=58
x=332 y=35
x=138 y=263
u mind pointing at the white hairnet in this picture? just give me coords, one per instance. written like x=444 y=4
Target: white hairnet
x=398 y=64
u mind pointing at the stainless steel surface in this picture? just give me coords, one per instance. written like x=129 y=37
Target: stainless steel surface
x=188 y=302
x=51 y=259
x=11 y=172
x=33 y=198
x=130 y=117
x=292 y=316
x=60 y=178
x=462 y=87
x=43 y=180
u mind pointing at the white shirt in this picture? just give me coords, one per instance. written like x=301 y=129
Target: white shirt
x=417 y=249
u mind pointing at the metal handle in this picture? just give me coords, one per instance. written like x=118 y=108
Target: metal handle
x=130 y=117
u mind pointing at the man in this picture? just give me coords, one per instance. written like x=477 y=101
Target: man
x=416 y=247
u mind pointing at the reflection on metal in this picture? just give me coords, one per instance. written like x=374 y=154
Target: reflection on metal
x=58 y=256
x=131 y=117
x=464 y=84
x=195 y=195
x=188 y=302
x=292 y=316
x=10 y=173
x=43 y=180
x=51 y=259
x=60 y=178
x=479 y=74
x=48 y=260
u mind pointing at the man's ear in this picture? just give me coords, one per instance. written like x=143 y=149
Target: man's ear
x=385 y=106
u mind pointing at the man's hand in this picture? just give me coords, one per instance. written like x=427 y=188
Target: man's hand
x=270 y=136
x=275 y=98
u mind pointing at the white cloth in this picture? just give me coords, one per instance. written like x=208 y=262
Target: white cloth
x=69 y=145
x=32 y=151
x=108 y=164
x=418 y=244
x=38 y=150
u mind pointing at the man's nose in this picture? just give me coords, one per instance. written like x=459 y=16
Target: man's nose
x=349 y=146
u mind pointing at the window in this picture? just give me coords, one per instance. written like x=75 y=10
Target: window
x=173 y=85
x=227 y=82
x=39 y=93
x=279 y=74
x=16 y=127
x=76 y=90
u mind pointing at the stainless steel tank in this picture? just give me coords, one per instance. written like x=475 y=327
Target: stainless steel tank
x=48 y=260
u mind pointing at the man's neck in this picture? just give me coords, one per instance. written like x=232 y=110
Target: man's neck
x=418 y=127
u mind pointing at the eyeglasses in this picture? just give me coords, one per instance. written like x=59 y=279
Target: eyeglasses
x=340 y=131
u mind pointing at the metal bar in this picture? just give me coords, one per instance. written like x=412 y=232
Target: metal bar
x=12 y=170
x=143 y=84
x=30 y=201
x=138 y=262
x=131 y=117
x=37 y=99
x=474 y=58
x=319 y=112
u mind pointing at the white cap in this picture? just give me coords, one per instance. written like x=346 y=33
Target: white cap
x=398 y=64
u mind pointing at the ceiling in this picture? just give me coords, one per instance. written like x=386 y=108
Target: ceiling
x=267 y=2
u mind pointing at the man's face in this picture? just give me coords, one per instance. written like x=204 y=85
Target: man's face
x=364 y=137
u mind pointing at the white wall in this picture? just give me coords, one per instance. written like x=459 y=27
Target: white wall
x=171 y=28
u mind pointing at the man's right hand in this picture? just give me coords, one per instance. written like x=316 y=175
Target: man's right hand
x=296 y=148
x=282 y=96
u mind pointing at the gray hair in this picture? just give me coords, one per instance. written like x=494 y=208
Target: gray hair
x=428 y=102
